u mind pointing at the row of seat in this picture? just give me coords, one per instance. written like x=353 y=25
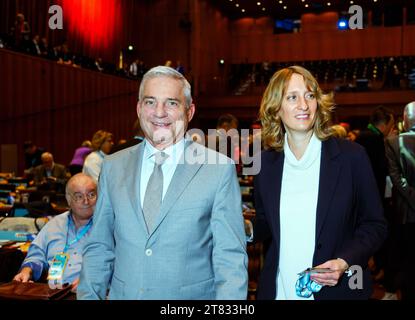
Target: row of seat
x=389 y=70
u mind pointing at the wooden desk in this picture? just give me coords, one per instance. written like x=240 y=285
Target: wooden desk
x=5 y=210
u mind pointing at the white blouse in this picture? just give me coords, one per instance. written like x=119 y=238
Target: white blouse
x=298 y=205
x=93 y=163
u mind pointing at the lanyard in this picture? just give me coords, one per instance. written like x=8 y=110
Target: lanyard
x=79 y=235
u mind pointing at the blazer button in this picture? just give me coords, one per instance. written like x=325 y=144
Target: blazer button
x=319 y=246
x=149 y=252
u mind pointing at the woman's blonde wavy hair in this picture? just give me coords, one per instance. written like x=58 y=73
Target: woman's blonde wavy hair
x=99 y=138
x=272 y=127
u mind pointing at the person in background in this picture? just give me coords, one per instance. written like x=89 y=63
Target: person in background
x=381 y=125
x=102 y=142
x=78 y=159
x=179 y=67
x=315 y=196
x=400 y=152
x=64 y=236
x=353 y=134
x=339 y=131
x=50 y=175
x=34 y=48
x=226 y=138
x=138 y=138
x=168 y=223
x=133 y=72
x=20 y=32
x=33 y=155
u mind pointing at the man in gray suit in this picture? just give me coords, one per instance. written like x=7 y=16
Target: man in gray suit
x=168 y=223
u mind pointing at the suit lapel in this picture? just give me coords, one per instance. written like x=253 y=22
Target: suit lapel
x=132 y=178
x=182 y=176
x=329 y=175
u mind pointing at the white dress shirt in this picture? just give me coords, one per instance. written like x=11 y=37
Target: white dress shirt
x=174 y=152
x=93 y=163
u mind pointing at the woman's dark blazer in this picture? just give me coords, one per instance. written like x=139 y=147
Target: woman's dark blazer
x=350 y=222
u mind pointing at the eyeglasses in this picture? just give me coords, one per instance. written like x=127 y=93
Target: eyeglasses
x=79 y=197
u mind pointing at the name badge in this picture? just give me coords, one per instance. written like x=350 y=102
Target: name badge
x=58 y=266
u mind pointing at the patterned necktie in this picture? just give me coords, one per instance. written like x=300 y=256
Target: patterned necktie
x=154 y=191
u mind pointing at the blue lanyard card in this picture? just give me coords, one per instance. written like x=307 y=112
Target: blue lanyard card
x=58 y=266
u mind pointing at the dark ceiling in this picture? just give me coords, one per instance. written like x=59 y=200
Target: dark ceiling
x=236 y=9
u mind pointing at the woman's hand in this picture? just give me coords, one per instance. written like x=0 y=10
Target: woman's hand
x=338 y=267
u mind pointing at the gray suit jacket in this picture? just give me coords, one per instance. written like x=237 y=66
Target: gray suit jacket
x=58 y=171
x=197 y=249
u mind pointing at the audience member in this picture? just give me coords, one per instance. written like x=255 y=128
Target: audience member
x=63 y=238
x=339 y=131
x=373 y=140
x=50 y=175
x=400 y=152
x=34 y=47
x=179 y=67
x=227 y=138
x=33 y=154
x=77 y=162
x=98 y=65
x=353 y=134
x=44 y=48
x=20 y=32
x=133 y=72
x=102 y=142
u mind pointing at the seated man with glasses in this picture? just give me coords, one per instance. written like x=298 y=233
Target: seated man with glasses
x=58 y=247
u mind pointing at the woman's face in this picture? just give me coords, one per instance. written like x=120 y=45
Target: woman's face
x=298 y=108
x=107 y=145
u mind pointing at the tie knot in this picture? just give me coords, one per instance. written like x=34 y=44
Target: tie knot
x=160 y=157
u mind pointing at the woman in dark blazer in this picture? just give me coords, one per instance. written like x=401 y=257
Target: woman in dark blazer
x=315 y=196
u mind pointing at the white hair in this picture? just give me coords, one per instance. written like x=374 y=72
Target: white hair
x=163 y=71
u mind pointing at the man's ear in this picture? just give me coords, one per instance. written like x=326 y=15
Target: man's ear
x=190 y=112
x=138 y=108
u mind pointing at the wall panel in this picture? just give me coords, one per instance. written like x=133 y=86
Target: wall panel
x=59 y=106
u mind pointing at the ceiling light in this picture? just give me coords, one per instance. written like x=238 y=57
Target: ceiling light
x=328 y=4
x=243 y=10
x=351 y=2
x=306 y=5
x=258 y=3
x=263 y=9
x=280 y=1
x=285 y=7
x=237 y=5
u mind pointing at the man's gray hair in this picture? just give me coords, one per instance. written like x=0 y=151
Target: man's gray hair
x=163 y=71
